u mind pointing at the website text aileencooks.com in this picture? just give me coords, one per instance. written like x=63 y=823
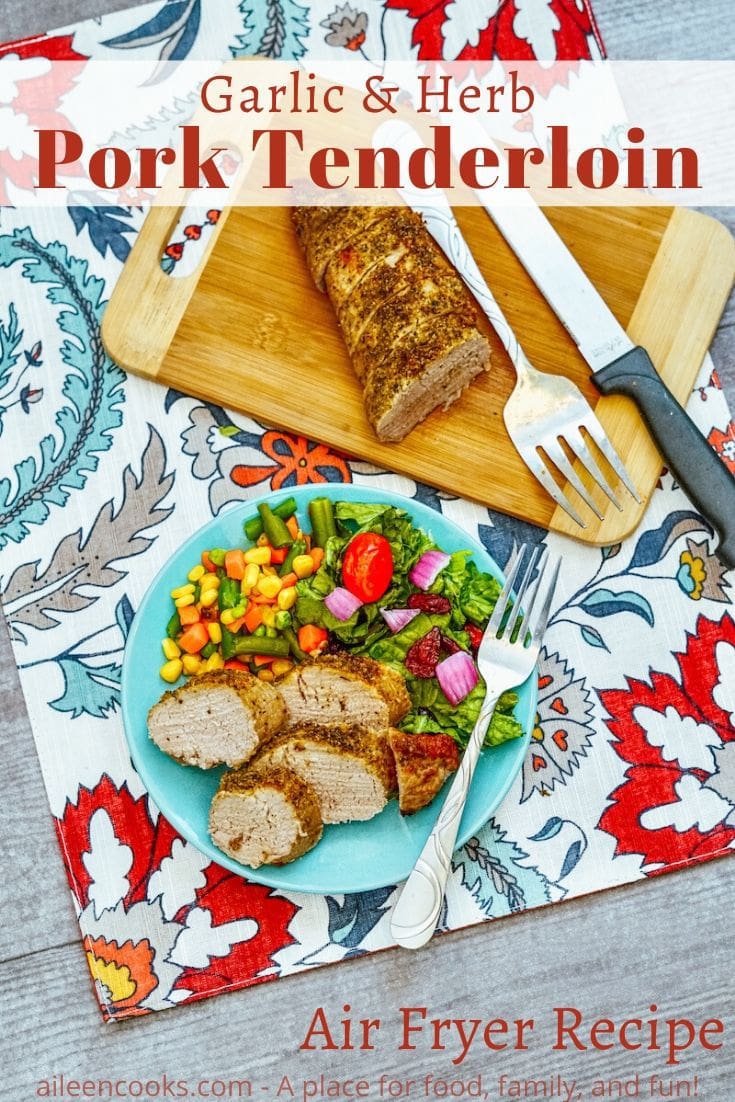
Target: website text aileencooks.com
x=162 y=1087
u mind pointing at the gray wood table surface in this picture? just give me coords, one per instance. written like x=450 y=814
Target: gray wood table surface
x=613 y=955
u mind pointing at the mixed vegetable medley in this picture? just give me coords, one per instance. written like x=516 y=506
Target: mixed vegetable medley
x=360 y=577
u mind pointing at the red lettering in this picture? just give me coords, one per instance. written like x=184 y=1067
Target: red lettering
x=121 y=167
x=193 y=167
x=318 y=1027
x=323 y=162
x=277 y=153
x=603 y=1026
x=517 y=164
x=50 y=155
x=474 y=159
x=603 y=159
x=563 y=1029
x=689 y=175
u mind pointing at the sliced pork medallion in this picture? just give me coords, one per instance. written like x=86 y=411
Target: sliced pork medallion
x=264 y=820
x=216 y=718
x=350 y=768
x=344 y=689
x=423 y=763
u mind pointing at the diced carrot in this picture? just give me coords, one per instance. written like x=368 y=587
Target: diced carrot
x=307 y=541
x=293 y=527
x=278 y=555
x=311 y=636
x=288 y=580
x=259 y=599
x=235 y=664
x=317 y=554
x=189 y=615
x=194 y=638
x=235 y=564
x=235 y=626
x=207 y=562
x=253 y=618
x=263 y=659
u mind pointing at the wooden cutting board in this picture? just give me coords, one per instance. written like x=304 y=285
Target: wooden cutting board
x=250 y=331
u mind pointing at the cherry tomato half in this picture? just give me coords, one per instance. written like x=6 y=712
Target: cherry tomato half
x=367 y=566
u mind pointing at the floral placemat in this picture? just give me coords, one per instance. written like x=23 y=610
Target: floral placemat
x=631 y=771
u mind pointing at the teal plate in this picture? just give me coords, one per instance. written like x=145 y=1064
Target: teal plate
x=351 y=857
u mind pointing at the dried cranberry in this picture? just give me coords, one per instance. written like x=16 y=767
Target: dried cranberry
x=449 y=645
x=475 y=635
x=433 y=603
x=422 y=657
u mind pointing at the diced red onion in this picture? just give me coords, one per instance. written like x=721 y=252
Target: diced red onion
x=457 y=676
x=341 y=603
x=428 y=568
x=397 y=618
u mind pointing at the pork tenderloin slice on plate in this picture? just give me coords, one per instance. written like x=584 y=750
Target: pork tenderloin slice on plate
x=216 y=718
x=430 y=369
x=264 y=820
x=350 y=767
x=423 y=763
x=344 y=689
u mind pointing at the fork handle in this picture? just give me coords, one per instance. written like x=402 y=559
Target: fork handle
x=417 y=911
x=696 y=465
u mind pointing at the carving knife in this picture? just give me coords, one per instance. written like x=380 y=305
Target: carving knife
x=618 y=365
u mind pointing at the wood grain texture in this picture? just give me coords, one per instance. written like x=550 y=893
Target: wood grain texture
x=611 y=953
x=251 y=332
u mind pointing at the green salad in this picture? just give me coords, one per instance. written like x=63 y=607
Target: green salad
x=469 y=596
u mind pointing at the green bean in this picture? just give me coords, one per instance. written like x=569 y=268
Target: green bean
x=228 y=643
x=229 y=594
x=254 y=526
x=290 y=636
x=260 y=644
x=173 y=627
x=298 y=547
x=208 y=650
x=274 y=528
x=321 y=515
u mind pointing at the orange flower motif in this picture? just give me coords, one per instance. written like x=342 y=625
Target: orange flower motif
x=125 y=972
x=296 y=462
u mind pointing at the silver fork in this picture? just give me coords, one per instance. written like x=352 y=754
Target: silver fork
x=543 y=412
x=507 y=655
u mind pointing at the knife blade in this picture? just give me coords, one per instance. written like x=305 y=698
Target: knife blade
x=618 y=365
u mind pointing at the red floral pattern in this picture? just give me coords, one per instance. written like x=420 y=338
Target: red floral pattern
x=651 y=779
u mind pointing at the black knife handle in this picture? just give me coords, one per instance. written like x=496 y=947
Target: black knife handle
x=695 y=463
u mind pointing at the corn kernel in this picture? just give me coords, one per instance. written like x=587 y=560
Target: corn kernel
x=185 y=601
x=269 y=617
x=209 y=581
x=170 y=649
x=192 y=664
x=214 y=662
x=286 y=599
x=266 y=675
x=281 y=666
x=252 y=573
x=196 y=573
x=269 y=570
x=303 y=566
x=215 y=633
x=259 y=555
x=171 y=671
x=269 y=585
x=208 y=598
x=182 y=590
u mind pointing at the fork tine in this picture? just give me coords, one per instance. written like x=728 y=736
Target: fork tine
x=516 y=615
x=538 y=467
x=558 y=457
x=502 y=601
x=579 y=446
x=539 y=627
x=598 y=434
